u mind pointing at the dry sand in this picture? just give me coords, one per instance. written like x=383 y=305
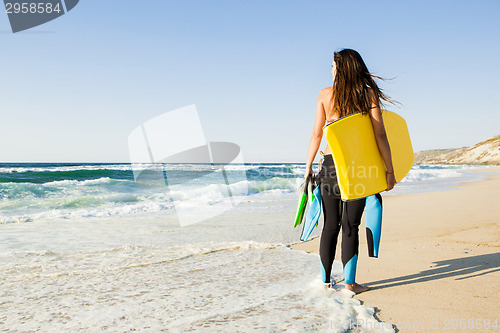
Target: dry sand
x=439 y=261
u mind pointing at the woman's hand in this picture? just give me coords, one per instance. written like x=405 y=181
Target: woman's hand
x=391 y=181
x=308 y=172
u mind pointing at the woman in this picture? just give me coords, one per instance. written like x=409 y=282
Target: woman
x=353 y=91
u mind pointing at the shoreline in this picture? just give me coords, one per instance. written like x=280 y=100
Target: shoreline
x=439 y=257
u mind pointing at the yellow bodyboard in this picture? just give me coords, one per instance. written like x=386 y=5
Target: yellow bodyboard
x=360 y=168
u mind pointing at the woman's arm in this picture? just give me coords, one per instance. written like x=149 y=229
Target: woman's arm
x=383 y=143
x=317 y=133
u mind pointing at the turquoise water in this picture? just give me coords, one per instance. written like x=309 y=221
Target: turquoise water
x=48 y=191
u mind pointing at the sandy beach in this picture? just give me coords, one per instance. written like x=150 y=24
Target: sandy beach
x=439 y=262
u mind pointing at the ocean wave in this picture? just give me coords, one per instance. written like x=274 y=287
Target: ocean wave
x=263 y=172
x=417 y=175
x=104 y=195
x=35 y=167
x=68 y=182
x=70 y=199
x=214 y=192
x=63 y=188
x=421 y=173
x=65 y=168
x=285 y=185
x=10 y=191
x=85 y=208
x=176 y=173
x=43 y=177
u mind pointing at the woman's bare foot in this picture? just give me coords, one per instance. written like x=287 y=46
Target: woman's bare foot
x=328 y=285
x=356 y=288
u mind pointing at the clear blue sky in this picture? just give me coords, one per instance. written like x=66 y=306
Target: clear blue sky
x=74 y=88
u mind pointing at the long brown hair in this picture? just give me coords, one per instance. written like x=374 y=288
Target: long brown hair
x=351 y=85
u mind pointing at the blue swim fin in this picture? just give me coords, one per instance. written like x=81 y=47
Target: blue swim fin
x=312 y=215
x=373 y=211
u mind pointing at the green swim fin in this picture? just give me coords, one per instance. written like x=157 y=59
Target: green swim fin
x=312 y=215
x=301 y=207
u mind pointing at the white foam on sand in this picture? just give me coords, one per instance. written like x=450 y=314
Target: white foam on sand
x=247 y=288
x=231 y=273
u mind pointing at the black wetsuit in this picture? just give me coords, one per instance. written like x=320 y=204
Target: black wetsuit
x=338 y=213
